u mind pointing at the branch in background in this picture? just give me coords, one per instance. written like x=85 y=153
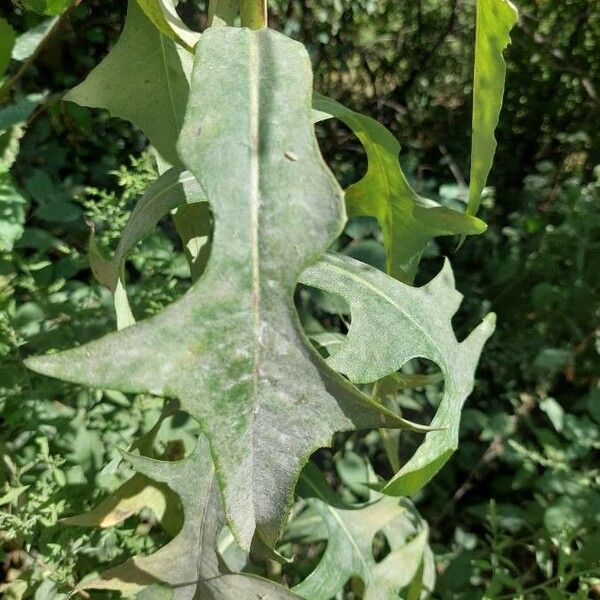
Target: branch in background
x=558 y=58
x=9 y=85
x=454 y=168
x=425 y=58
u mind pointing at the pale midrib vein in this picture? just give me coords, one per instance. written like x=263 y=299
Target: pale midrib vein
x=254 y=102
x=209 y=495
x=354 y=544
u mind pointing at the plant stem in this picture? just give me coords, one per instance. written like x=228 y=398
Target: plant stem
x=254 y=13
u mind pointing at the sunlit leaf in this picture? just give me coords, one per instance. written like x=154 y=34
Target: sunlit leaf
x=27 y=43
x=495 y=19
x=408 y=220
x=46 y=7
x=165 y=18
x=135 y=494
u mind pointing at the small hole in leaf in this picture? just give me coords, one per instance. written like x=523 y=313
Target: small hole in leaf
x=305 y=540
x=176 y=436
x=380 y=546
x=325 y=318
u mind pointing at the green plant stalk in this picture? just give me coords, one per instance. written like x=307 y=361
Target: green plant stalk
x=254 y=13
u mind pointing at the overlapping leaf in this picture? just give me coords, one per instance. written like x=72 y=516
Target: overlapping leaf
x=226 y=10
x=135 y=494
x=349 y=551
x=408 y=220
x=495 y=19
x=189 y=566
x=171 y=190
x=165 y=18
x=393 y=323
x=232 y=350
x=144 y=79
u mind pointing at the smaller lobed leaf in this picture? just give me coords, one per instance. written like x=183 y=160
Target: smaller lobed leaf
x=392 y=323
x=351 y=530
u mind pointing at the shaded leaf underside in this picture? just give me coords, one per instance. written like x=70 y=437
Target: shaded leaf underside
x=144 y=79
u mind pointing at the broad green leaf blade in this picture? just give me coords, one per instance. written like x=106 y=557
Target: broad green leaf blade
x=144 y=79
x=232 y=349
x=7 y=42
x=349 y=551
x=495 y=19
x=165 y=18
x=27 y=43
x=189 y=564
x=408 y=221
x=392 y=323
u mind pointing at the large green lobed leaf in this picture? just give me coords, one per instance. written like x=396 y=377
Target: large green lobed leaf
x=232 y=349
x=189 y=566
x=408 y=221
x=349 y=552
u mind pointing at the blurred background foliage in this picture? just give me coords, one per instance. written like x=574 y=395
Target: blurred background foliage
x=516 y=512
